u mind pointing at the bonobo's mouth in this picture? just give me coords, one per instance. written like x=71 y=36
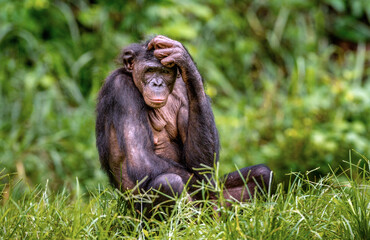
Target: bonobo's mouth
x=157 y=100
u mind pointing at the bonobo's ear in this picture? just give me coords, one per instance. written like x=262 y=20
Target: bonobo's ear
x=128 y=57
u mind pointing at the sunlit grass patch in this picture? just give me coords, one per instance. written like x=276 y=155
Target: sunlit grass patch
x=334 y=207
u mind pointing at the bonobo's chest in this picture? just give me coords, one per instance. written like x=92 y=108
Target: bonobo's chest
x=169 y=124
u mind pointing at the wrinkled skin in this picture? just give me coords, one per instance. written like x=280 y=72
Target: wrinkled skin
x=155 y=82
x=155 y=125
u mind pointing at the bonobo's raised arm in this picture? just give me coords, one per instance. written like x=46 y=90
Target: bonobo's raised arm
x=201 y=145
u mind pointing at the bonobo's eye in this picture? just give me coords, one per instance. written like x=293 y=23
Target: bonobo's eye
x=150 y=70
x=165 y=71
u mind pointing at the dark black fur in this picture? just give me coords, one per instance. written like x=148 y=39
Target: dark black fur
x=121 y=103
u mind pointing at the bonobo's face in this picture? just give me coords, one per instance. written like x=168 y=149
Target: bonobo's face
x=154 y=81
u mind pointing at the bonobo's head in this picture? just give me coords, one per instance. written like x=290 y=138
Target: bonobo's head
x=154 y=81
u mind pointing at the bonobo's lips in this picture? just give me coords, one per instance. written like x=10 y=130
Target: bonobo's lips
x=157 y=100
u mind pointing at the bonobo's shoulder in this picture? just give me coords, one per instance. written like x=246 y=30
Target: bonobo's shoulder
x=118 y=73
x=119 y=78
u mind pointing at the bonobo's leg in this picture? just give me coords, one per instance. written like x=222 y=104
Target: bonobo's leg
x=170 y=185
x=164 y=187
x=256 y=178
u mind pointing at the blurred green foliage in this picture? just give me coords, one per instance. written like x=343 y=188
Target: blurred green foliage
x=289 y=79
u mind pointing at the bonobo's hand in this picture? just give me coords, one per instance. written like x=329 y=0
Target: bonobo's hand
x=169 y=52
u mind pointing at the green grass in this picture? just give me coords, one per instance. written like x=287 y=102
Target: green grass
x=333 y=207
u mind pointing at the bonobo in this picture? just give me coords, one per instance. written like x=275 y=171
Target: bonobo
x=155 y=125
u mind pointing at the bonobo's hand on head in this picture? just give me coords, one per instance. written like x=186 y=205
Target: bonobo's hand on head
x=169 y=52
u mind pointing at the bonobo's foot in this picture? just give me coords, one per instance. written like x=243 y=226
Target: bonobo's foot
x=241 y=185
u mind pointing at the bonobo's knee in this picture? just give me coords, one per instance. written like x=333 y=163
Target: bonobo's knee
x=171 y=184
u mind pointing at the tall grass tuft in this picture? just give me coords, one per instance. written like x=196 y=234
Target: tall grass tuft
x=335 y=206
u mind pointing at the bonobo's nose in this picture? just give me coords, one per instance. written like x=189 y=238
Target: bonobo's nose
x=157 y=83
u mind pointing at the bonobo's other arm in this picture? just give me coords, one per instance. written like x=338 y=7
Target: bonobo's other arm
x=201 y=145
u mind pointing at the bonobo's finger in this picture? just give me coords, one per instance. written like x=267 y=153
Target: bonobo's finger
x=160 y=42
x=162 y=53
x=163 y=43
x=175 y=58
x=171 y=42
x=168 y=62
x=150 y=45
